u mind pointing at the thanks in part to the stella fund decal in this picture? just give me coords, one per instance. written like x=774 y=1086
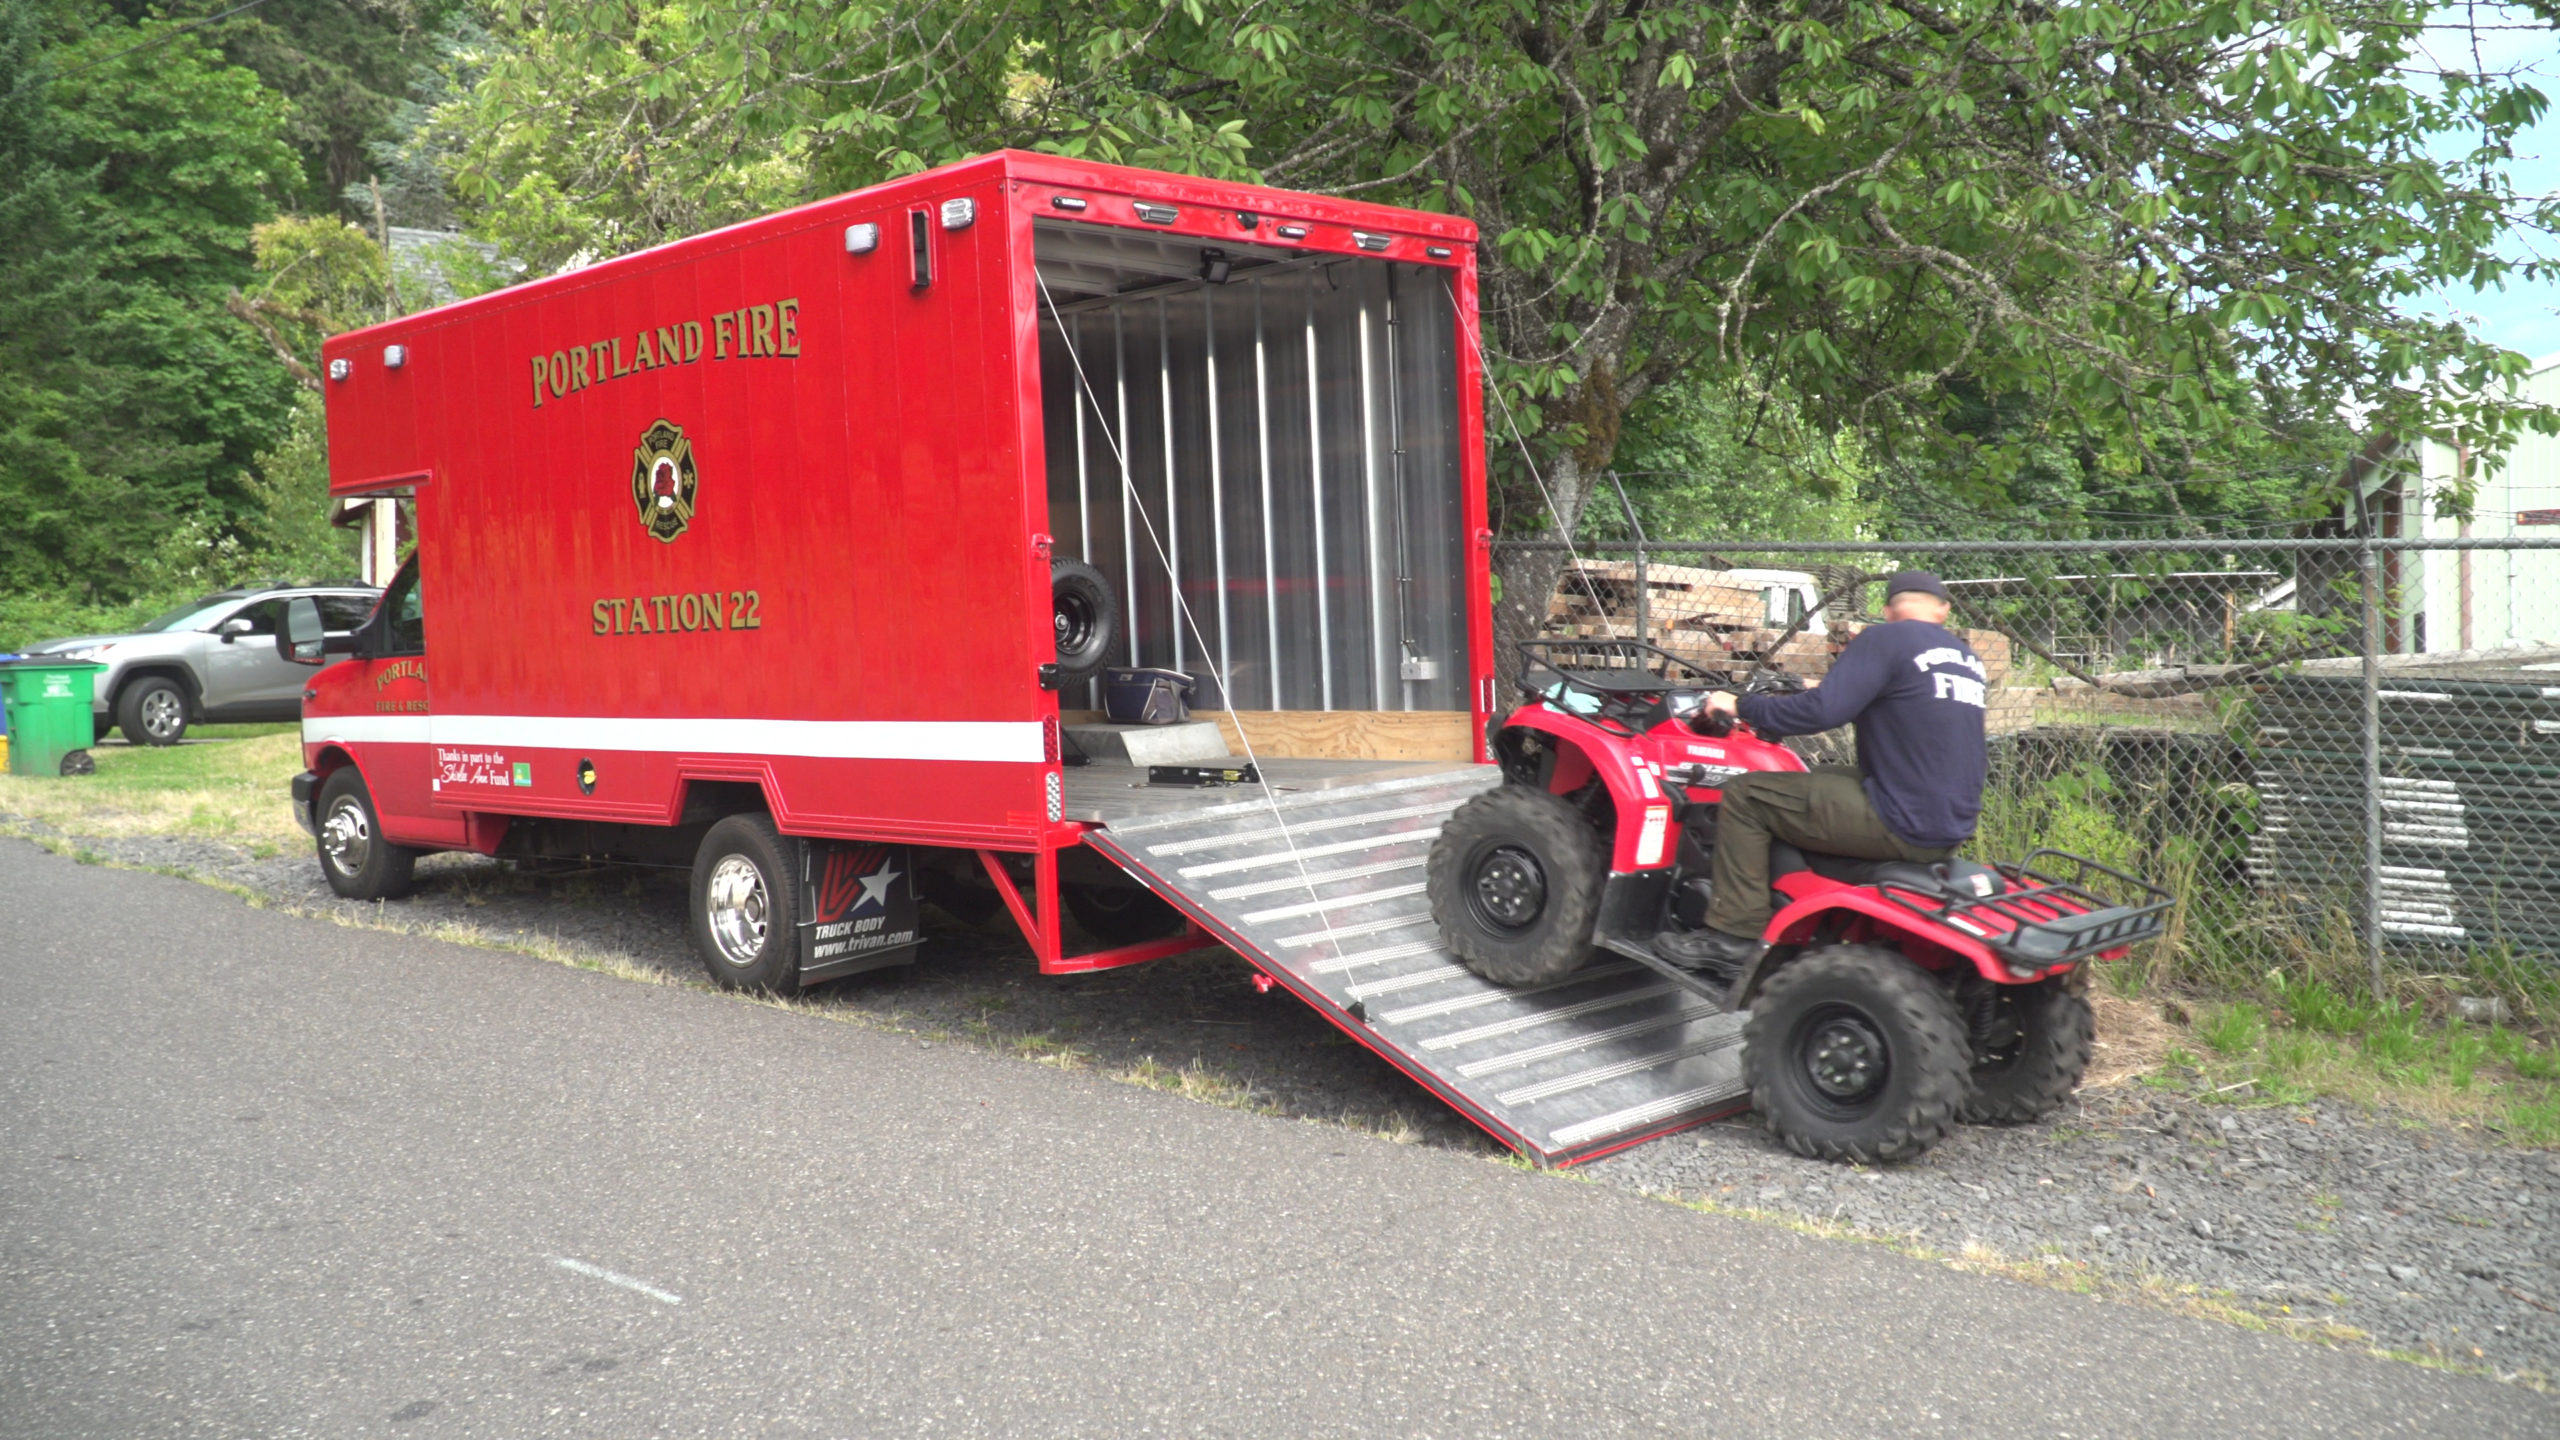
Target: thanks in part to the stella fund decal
x=749 y=332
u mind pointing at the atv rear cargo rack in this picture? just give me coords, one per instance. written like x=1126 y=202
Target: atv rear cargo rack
x=2053 y=920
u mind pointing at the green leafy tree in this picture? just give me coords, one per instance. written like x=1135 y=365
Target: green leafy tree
x=2138 y=216
x=346 y=66
x=1699 y=461
x=128 y=186
x=323 y=276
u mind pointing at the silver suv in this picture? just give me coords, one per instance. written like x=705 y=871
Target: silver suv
x=212 y=660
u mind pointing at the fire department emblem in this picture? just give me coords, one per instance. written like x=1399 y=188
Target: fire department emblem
x=663 y=480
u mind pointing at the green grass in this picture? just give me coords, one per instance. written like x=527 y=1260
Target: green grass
x=227 y=783
x=2312 y=1040
x=2233 y=1029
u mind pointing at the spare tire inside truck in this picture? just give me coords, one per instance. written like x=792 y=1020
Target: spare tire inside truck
x=1087 y=617
x=786 y=555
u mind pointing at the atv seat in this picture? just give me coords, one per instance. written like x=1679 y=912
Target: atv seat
x=1951 y=879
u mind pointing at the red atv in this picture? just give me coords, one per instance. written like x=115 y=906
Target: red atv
x=1891 y=999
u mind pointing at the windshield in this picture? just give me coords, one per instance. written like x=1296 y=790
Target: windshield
x=193 y=615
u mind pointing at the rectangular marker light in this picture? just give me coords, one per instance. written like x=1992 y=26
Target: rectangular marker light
x=861 y=239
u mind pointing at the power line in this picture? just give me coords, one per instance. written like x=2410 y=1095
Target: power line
x=160 y=38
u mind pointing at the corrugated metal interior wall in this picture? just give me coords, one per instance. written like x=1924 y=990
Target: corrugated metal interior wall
x=1290 y=437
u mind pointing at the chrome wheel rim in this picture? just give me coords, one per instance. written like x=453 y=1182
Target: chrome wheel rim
x=347 y=836
x=737 y=907
x=162 y=714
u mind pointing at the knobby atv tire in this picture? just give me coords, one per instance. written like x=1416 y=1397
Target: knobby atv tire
x=354 y=858
x=1925 y=1063
x=1572 y=862
x=773 y=962
x=2027 y=1079
x=1086 y=617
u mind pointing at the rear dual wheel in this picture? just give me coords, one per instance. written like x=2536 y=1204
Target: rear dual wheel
x=1121 y=914
x=746 y=906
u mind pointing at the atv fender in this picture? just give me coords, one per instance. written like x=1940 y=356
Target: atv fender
x=1560 y=753
x=1858 y=915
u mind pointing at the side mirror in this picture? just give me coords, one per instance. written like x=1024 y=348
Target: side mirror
x=232 y=629
x=301 y=640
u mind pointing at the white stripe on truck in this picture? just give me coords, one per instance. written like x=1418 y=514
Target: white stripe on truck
x=1014 y=741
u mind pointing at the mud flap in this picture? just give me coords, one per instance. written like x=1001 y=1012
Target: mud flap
x=862 y=909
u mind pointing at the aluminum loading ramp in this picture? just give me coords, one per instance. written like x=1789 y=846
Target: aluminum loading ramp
x=1561 y=1072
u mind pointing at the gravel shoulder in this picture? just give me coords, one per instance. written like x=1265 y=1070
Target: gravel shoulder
x=2372 y=1230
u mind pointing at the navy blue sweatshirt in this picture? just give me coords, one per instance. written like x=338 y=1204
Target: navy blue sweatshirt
x=1916 y=693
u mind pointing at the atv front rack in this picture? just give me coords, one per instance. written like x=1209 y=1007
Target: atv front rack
x=1623 y=685
x=2052 y=920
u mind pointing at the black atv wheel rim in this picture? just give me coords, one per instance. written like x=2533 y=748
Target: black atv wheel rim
x=1077 y=621
x=1843 y=1057
x=1509 y=889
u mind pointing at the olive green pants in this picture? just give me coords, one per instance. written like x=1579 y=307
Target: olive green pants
x=1824 y=809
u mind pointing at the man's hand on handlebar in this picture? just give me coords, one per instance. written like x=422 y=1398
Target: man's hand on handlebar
x=1715 y=717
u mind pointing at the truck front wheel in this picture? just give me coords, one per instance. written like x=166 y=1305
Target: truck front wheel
x=746 y=906
x=357 y=862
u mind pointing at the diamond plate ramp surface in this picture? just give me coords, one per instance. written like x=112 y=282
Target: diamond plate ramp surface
x=1325 y=894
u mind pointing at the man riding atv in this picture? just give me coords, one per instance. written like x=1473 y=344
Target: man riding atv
x=1898 y=991
x=1915 y=691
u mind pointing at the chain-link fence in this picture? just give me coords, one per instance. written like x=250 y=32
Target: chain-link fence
x=2339 y=752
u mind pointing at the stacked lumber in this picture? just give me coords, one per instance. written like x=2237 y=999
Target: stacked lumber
x=1703 y=616
x=1711 y=619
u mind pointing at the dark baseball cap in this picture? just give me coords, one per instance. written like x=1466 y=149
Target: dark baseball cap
x=1903 y=581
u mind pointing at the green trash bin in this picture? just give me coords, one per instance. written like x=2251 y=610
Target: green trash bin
x=50 y=728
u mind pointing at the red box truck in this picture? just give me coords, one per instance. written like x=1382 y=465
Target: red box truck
x=783 y=553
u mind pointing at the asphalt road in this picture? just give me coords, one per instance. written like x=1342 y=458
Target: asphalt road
x=269 y=1176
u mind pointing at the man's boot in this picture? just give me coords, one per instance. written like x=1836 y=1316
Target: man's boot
x=1709 y=952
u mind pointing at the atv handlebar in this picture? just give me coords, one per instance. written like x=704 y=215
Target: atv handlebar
x=1716 y=725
